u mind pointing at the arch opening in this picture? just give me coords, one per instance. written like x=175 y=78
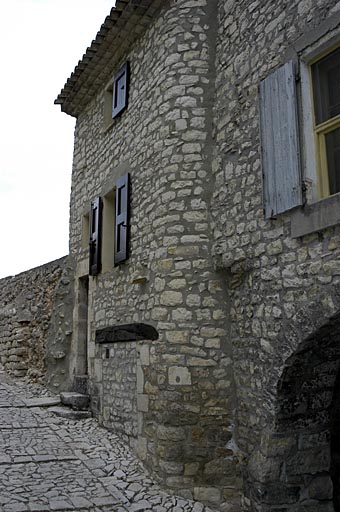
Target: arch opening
x=308 y=413
x=297 y=465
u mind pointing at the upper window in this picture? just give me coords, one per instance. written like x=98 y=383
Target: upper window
x=120 y=90
x=116 y=95
x=326 y=97
x=287 y=167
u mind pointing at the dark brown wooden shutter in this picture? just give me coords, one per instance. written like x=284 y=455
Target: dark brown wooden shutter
x=280 y=142
x=120 y=90
x=122 y=219
x=95 y=236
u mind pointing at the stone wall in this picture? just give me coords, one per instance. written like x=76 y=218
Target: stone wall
x=119 y=393
x=184 y=387
x=282 y=289
x=58 y=338
x=233 y=297
x=26 y=305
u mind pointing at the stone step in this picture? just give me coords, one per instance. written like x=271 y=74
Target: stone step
x=80 y=383
x=70 y=414
x=43 y=401
x=78 y=401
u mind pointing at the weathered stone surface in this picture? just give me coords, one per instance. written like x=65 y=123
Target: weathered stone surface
x=77 y=401
x=52 y=463
x=25 y=310
x=42 y=402
x=247 y=315
x=65 y=412
x=165 y=143
x=58 y=338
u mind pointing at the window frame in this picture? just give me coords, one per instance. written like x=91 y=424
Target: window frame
x=314 y=161
x=317 y=213
x=323 y=169
x=122 y=73
x=320 y=131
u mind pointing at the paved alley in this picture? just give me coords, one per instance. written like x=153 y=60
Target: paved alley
x=49 y=463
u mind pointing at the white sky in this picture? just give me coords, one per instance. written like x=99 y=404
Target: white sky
x=41 y=41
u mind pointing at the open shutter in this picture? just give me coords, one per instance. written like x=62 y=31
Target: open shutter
x=122 y=218
x=95 y=236
x=120 y=90
x=280 y=141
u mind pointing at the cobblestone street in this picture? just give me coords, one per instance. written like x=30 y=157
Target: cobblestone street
x=49 y=463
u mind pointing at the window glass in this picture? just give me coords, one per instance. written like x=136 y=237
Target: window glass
x=326 y=96
x=333 y=160
x=121 y=91
x=326 y=86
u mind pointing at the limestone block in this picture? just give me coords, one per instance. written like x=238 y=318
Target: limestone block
x=98 y=370
x=159 y=314
x=166 y=433
x=177 y=284
x=142 y=402
x=140 y=379
x=106 y=413
x=191 y=468
x=177 y=336
x=142 y=447
x=210 y=495
x=179 y=376
x=171 y=298
x=182 y=315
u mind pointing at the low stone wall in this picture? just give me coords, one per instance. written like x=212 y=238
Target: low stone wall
x=58 y=338
x=119 y=384
x=26 y=304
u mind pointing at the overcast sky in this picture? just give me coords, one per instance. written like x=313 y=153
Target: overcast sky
x=41 y=41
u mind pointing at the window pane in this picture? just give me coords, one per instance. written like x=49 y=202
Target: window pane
x=326 y=87
x=121 y=91
x=333 y=160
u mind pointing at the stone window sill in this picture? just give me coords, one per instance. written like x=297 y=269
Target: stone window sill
x=316 y=216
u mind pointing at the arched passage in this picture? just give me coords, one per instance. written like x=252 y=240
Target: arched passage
x=308 y=419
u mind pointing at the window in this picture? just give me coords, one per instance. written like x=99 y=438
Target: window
x=282 y=128
x=120 y=90
x=108 y=231
x=108 y=228
x=95 y=238
x=122 y=219
x=116 y=95
x=326 y=97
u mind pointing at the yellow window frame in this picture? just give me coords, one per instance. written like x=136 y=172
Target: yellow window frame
x=321 y=131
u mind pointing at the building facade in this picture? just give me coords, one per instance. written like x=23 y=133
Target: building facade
x=205 y=243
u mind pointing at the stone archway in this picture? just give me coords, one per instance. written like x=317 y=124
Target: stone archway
x=300 y=455
x=335 y=444
x=296 y=465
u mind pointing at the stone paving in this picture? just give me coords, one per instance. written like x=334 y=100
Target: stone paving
x=49 y=463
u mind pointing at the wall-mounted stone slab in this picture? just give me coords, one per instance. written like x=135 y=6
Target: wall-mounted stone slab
x=127 y=332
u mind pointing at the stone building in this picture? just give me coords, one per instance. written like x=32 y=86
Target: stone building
x=206 y=305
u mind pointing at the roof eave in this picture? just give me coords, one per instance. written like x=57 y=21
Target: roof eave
x=128 y=16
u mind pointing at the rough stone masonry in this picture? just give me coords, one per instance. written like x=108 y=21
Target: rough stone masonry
x=235 y=400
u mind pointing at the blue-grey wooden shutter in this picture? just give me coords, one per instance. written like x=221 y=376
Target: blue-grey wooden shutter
x=280 y=141
x=122 y=219
x=95 y=236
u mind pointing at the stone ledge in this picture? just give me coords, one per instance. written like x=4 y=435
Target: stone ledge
x=316 y=217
